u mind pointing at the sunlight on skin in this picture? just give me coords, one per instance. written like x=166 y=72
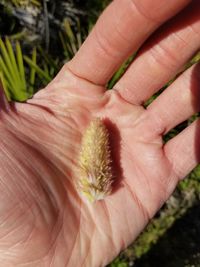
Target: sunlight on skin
x=49 y=195
x=50 y=215
x=43 y=220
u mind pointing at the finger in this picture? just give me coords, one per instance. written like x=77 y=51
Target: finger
x=163 y=56
x=183 y=151
x=178 y=102
x=121 y=29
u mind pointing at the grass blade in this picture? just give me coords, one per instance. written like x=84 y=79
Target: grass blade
x=5 y=87
x=7 y=75
x=20 y=64
x=38 y=70
x=71 y=36
x=33 y=71
x=51 y=62
x=19 y=82
x=36 y=3
x=8 y=62
x=13 y=71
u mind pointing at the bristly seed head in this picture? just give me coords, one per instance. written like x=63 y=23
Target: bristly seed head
x=95 y=170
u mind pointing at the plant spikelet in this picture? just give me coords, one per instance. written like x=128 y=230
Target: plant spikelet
x=95 y=162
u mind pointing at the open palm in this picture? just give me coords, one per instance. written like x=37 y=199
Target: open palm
x=43 y=220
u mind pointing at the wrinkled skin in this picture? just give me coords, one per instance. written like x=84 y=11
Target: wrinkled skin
x=44 y=221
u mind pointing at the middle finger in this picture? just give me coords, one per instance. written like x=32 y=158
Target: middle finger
x=162 y=56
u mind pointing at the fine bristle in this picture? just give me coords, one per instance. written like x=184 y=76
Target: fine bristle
x=95 y=171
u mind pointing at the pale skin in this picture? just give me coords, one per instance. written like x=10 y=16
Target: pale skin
x=43 y=220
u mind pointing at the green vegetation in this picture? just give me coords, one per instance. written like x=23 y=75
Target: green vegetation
x=17 y=84
x=28 y=63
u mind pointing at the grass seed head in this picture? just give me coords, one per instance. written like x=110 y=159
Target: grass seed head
x=95 y=171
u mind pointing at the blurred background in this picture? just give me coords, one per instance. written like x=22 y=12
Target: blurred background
x=36 y=38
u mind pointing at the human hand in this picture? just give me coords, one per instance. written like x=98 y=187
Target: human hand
x=43 y=220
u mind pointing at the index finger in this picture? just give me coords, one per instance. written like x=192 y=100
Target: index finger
x=120 y=30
